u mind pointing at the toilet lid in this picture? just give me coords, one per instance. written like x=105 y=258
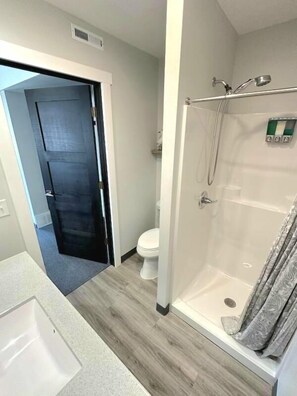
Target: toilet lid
x=150 y=239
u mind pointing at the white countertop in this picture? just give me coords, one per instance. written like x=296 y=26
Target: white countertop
x=102 y=372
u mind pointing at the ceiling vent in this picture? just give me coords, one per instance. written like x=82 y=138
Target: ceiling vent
x=86 y=37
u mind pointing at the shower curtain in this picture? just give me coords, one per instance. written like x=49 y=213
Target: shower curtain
x=269 y=319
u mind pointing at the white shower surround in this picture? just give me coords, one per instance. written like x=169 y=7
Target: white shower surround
x=221 y=249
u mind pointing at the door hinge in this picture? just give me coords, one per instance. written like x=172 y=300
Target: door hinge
x=94 y=112
x=101 y=185
x=106 y=241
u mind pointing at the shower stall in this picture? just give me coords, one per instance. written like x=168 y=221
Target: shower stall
x=234 y=191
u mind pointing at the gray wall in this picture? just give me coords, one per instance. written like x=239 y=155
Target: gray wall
x=37 y=25
x=160 y=126
x=11 y=241
x=267 y=51
x=22 y=128
x=208 y=49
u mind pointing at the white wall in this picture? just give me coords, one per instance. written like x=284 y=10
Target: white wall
x=37 y=25
x=11 y=241
x=174 y=23
x=267 y=51
x=22 y=129
x=160 y=125
x=192 y=224
x=207 y=50
x=256 y=185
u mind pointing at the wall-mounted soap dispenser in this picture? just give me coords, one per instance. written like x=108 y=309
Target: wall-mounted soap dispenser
x=280 y=129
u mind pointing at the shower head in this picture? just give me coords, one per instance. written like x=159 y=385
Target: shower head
x=258 y=81
x=262 y=80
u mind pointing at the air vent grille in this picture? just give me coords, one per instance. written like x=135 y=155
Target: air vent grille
x=86 y=37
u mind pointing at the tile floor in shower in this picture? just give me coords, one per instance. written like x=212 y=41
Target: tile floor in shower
x=208 y=292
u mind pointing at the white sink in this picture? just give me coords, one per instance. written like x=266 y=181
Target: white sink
x=34 y=358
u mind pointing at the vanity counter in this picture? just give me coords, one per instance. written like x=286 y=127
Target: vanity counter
x=102 y=373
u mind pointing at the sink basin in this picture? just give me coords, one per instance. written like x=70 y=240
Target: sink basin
x=34 y=358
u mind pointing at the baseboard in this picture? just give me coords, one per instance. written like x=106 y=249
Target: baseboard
x=43 y=219
x=128 y=255
x=163 y=311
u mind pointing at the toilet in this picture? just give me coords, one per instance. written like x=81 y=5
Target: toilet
x=148 y=248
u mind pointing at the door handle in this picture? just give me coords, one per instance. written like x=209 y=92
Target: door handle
x=48 y=193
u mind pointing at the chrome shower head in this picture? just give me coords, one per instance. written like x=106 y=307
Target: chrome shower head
x=258 y=81
x=262 y=80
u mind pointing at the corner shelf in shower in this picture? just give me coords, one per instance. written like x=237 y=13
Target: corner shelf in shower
x=157 y=153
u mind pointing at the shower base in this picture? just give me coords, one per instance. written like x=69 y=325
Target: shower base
x=202 y=305
x=209 y=292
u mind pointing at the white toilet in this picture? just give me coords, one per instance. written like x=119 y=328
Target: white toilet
x=148 y=248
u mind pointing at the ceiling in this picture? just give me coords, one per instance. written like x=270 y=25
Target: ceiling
x=42 y=81
x=140 y=23
x=249 y=15
x=17 y=80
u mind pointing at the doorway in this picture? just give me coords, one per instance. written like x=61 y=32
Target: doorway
x=66 y=120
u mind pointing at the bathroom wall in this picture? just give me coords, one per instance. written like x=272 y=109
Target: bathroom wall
x=255 y=186
x=193 y=224
x=267 y=51
x=10 y=234
x=22 y=129
x=207 y=50
x=40 y=26
x=160 y=125
x=256 y=180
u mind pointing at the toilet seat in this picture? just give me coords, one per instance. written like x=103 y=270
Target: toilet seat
x=149 y=240
x=148 y=248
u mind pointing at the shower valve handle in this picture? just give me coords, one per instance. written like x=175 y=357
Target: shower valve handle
x=204 y=200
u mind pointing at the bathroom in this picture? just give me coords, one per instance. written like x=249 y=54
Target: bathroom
x=189 y=240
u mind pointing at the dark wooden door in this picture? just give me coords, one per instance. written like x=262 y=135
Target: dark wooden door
x=63 y=128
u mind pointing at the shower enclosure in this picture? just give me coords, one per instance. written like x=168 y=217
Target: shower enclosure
x=224 y=230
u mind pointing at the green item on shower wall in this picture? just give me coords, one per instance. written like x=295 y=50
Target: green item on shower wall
x=289 y=128
x=280 y=129
x=271 y=127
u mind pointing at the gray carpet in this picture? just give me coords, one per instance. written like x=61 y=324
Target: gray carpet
x=66 y=272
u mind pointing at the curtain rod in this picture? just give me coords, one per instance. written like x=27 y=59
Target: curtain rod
x=190 y=101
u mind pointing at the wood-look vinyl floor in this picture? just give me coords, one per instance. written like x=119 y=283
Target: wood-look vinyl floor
x=166 y=355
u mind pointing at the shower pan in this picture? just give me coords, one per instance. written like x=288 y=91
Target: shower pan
x=224 y=230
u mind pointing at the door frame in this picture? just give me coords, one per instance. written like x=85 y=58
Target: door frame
x=25 y=58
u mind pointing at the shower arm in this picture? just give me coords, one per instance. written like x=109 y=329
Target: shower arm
x=190 y=101
x=227 y=87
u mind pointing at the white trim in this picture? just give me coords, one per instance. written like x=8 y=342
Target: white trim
x=111 y=169
x=29 y=57
x=171 y=90
x=26 y=56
